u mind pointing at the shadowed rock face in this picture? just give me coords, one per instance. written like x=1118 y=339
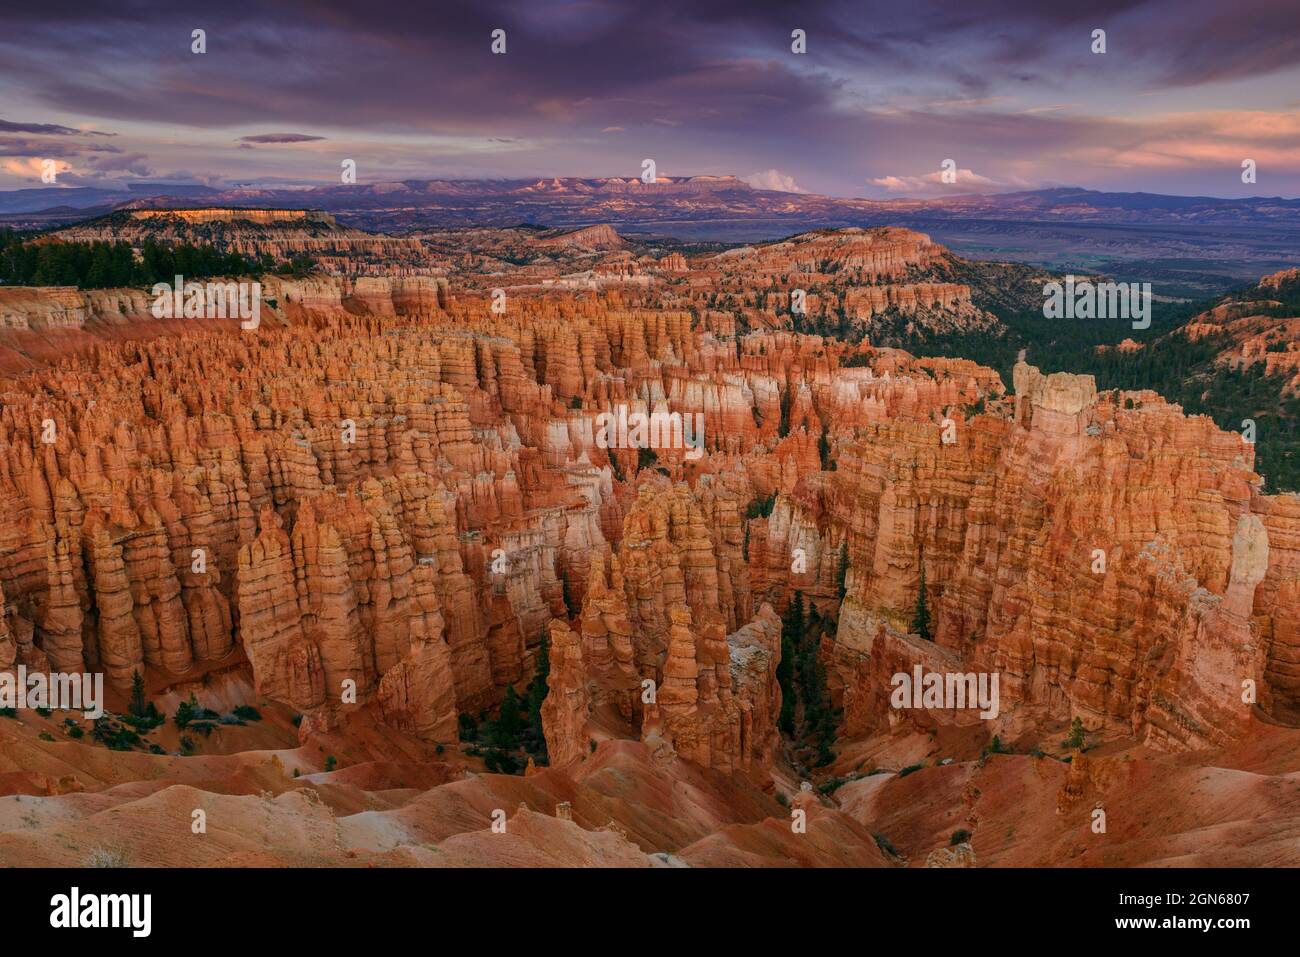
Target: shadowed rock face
x=374 y=508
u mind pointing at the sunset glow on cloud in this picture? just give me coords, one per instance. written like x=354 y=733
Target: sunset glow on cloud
x=883 y=95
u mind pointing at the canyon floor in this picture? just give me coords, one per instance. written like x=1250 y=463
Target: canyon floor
x=268 y=802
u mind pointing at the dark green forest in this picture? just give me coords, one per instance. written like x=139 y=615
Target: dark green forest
x=102 y=265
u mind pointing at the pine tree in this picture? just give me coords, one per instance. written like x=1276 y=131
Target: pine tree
x=100 y=273
x=783 y=424
x=792 y=623
x=785 y=678
x=842 y=574
x=792 y=627
x=921 y=618
x=535 y=738
x=568 y=598
x=537 y=688
x=504 y=731
x=139 y=706
x=1077 y=735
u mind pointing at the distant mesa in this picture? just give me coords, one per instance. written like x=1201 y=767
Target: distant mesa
x=228 y=214
x=590 y=237
x=281 y=233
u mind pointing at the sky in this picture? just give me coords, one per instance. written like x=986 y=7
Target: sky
x=1010 y=91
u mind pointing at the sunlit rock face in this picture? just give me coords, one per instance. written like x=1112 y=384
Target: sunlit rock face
x=387 y=498
x=1108 y=557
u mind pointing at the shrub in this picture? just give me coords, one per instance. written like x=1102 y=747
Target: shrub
x=331 y=763
x=113 y=735
x=468 y=728
x=960 y=837
x=884 y=844
x=186 y=711
x=247 y=712
x=501 y=762
x=146 y=721
x=107 y=857
x=46 y=736
x=909 y=769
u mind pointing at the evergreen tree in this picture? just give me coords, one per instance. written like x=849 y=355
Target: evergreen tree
x=792 y=622
x=509 y=719
x=568 y=598
x=537 y=688
x=792 y=628
x=1077 y=735
x=785 y=678
x=535 y=738
x=138 y=706
x=921 y=617
x=842 y=573
x=100 y=273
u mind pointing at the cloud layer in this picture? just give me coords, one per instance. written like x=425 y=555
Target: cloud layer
x=1008 y=89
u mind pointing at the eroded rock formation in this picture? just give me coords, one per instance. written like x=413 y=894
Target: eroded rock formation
x=384 y=499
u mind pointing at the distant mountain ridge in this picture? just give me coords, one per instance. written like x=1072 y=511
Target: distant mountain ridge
x=1190 y=246
x=714 y=191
